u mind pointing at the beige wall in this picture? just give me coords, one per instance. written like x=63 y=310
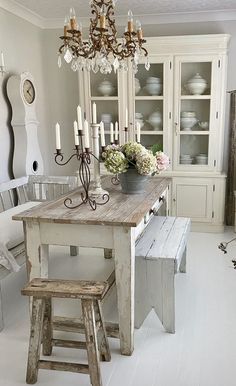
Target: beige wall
x=28 y=48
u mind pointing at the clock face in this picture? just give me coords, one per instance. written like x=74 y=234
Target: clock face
x=28 y=91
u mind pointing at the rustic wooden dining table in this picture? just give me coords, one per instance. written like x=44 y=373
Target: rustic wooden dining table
x=115 y=226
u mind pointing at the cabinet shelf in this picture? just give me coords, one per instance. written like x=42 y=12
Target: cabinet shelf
x=104 y=98
x=194 y=132
x=149 y=132
x=149 y=98
x=193 y=97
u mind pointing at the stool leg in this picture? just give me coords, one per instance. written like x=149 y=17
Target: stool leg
x=103 y=345
x=35 y=340
x=47 y=327
x=91 y=341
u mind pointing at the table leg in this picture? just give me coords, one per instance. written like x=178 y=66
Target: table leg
x=37 y=253
x=124 y=249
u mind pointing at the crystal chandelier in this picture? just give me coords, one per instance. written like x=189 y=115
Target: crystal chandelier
x=102 y=50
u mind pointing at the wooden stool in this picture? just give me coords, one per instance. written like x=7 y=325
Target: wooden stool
x=90 y=293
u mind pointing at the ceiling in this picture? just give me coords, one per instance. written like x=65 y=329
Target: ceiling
x=59 y=8
x=51 y=13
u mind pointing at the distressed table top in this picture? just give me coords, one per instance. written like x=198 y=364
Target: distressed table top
x=121 y=210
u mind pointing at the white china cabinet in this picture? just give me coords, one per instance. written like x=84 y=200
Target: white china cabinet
x=180 y=105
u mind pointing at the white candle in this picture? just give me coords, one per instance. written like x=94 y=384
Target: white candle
x=58 y=137
x=94 y=113
x=2 y=60
x=138 y=131
x=76 y=133
x=116 y=131
x=126 y=117
x=102 y=133
x=79 y=118
x=111 y=133
x=86 y=134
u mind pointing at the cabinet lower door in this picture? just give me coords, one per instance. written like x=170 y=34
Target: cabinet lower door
x=193 y=197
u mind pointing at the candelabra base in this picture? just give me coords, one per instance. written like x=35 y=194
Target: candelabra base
x=96 y=192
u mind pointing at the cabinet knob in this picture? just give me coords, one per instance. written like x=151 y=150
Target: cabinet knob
x=174 y=199
x=162 y=198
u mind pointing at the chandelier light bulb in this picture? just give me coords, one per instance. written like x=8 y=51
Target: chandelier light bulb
x=130 y=21
x=130 y=15
x=138 y=25
x=72 y=13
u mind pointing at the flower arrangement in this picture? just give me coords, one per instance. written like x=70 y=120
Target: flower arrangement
x=118 y=159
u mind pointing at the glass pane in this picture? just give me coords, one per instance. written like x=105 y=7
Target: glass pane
x=103 y=85
x=196 y=78
x=107 y=112
x=194 y=149
x=149 y=113
x=149 y=82
x=195 y=114
x=152 y=140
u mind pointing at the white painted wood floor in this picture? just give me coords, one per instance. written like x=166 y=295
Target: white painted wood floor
x=201 y=353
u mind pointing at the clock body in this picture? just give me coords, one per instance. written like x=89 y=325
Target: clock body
x=22 y=94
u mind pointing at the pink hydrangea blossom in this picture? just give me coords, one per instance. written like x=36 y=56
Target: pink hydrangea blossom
x=163 y=161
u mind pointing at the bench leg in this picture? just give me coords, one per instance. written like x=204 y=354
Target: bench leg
x=91 y=342
x=107 y=253
x=74 y=251
x=47 y=328
x=35 y=340
x=182 y=267
x=168 y=296
x=1 y=310
x=142 y=298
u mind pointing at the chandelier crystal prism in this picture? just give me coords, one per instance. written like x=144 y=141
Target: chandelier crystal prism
x=102 y=51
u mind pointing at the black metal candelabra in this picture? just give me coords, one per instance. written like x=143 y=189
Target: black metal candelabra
x=84 y=156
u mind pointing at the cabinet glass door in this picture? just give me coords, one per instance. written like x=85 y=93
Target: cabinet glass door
x=195 y=113
x=103 y=89
x=152 y=102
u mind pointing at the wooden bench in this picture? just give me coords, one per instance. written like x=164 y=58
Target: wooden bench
x=90 y=293
x=160 y=253
x=30 y=188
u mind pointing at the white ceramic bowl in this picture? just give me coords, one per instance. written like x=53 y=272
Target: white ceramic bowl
x=155 y=120
x=186 y=123
x=196 y=88
x=141 y=122
x=201 y=160
x=185 y=156
x=153 y=79
x=187 y=161
x=204 y=125
x=188 y=114
x=106 y=88
x=154 y=88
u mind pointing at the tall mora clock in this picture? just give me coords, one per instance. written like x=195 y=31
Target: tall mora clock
x=27 y=158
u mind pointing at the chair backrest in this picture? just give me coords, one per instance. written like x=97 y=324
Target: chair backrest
x=34 y=188
x=45 y=188
x=13 y=192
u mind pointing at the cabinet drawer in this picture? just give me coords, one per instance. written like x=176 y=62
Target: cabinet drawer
x=162 y=200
